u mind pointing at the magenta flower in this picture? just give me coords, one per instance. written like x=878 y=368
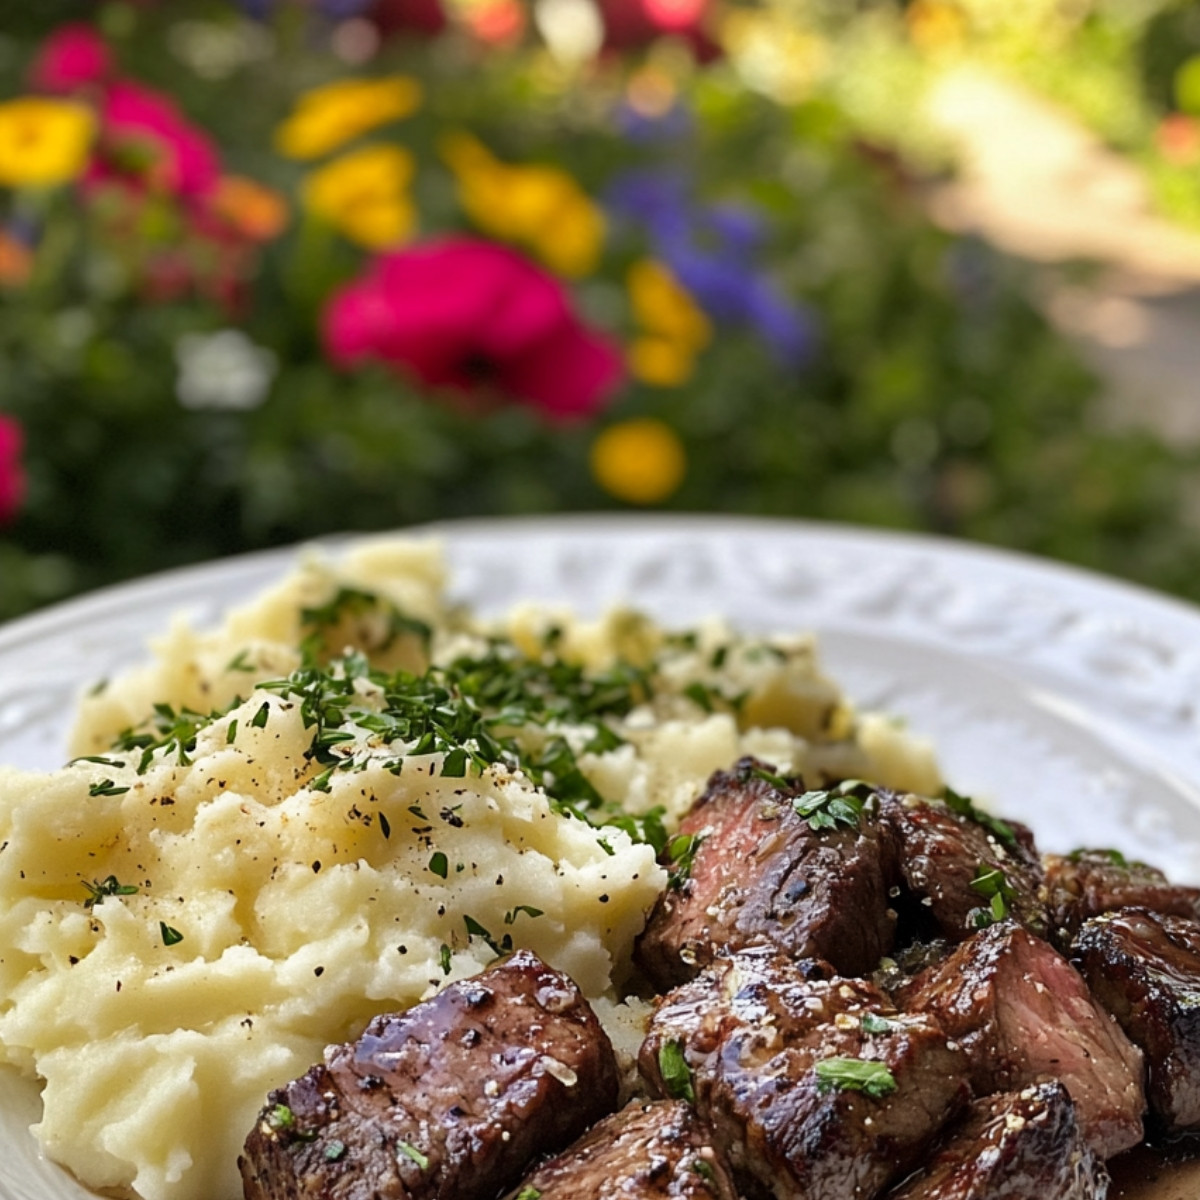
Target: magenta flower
x=72 y=57
x=146 y=140
x=12 y=476
x=469 y=315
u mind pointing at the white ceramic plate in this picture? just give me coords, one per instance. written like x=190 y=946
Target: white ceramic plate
x=1060 y=698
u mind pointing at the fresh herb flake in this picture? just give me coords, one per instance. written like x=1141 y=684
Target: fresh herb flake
x=439 y=864
x=170 y=937
x=874 y=1023
x=106 y=787
x=99 y=889
x=855 y=1075
x=675 y=1072
x=410 y=1151
x=966 y=807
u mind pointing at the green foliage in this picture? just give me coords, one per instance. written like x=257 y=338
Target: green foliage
x=936 y=398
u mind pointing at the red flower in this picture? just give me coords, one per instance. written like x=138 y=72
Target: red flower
x=470 y=315
x=12 y=477
x=72 y=57
x=146 y=140
x=426 y=18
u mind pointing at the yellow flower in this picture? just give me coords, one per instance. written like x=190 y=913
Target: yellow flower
x=538 y=206
x=641 y=461
x=935 y=25
x=330 y=116
x=364 y=194
x=662 y=305
x=43 y=142
x=659 y=361
x=675 y=327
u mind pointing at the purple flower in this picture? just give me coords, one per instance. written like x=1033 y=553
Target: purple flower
x=711 y=250
x=645 y=129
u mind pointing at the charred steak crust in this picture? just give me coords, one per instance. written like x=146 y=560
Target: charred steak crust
x=1023 y=1145
x=647 y=1150
x=453 y=1098
x=1090 y=882
x=752 y=1029
x=761 y=875
x=1024 y=1015
x=942 y=852
x=1145 y=969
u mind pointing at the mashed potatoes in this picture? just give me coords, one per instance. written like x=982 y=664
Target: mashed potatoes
x=344 y=798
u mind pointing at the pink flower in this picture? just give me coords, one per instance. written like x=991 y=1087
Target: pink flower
x=72 y=57
x=12 y=476
x=145 y=139
x=631 y=24
x=467 y=314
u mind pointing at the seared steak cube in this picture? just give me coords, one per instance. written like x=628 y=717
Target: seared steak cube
x=956 y=862
x=453 y=1098
x=814 y=1085
x=1020 y=1146
x=647 y=1150
x=762 y=873
x=1024 y=1015
x=1145 y=969
x=1087 y=883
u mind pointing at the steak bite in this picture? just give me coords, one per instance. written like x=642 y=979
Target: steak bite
x=1087 y=883
x=763 y=874
x=950 y=854
x=453 y=1098
x=815 y=1086
x=1017 y=1146
x=1024 y=1015
x=647 y=1150
x=1145 y=969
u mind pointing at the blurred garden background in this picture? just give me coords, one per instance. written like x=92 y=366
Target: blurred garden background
x=274 y=269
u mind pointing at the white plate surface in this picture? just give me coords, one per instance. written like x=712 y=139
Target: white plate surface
x=1058 y=697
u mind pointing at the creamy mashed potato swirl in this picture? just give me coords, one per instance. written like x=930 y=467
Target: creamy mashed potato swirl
x=342 y=799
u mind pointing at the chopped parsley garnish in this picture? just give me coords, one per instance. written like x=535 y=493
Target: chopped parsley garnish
x=444 y=959
x=778 y=782
x=169 y=732
x=439 y=864
x=966 y=807
x=681 y=854
x=410 y=1151
x=474 y=929
x=281 y=1117
x=355 y=602
x=240 y=662
x=529 y=1192
x=1113 y=857
x=991 y=883
x=874 y=1023
x=260 y=718
x=106 y=787
x=675 y=1072
x=335 y=1151
x=170 y=937
x=855 y=1075
x=704 y=1170
x=99 y=889
x=839 y=805
x=510 y=917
